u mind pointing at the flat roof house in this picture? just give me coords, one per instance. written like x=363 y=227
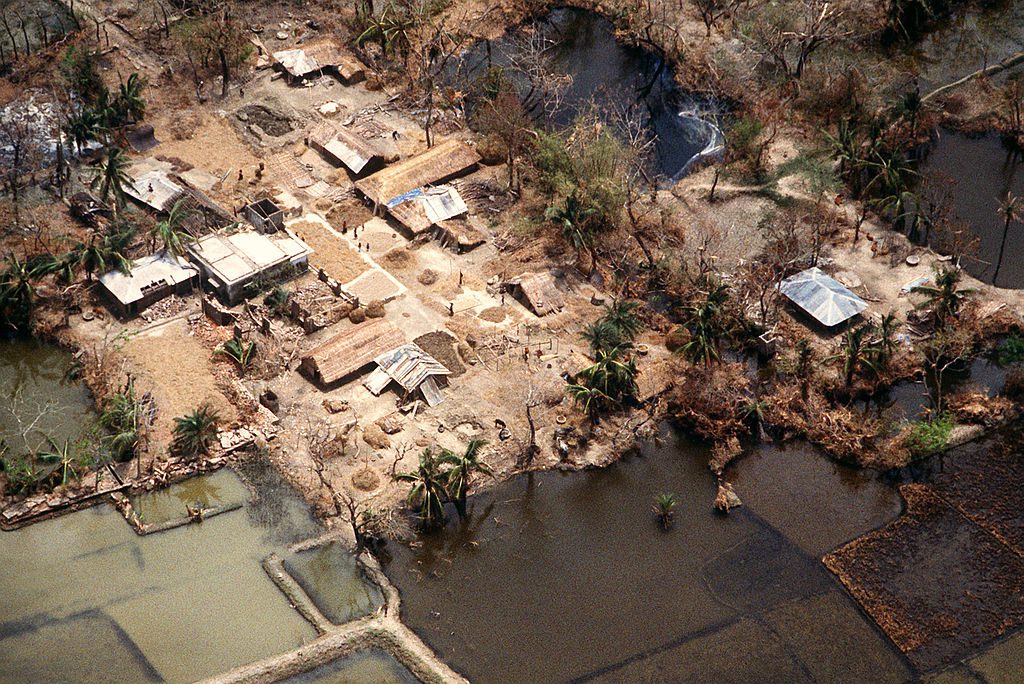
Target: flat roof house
x=149 y=280
x=230 y=262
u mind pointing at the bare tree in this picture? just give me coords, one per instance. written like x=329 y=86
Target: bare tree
x=788 y=36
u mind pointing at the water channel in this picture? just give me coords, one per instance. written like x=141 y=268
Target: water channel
x=582 y=45
x=86 y=599
x=983 y=171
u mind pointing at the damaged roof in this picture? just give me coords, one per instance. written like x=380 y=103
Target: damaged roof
x=154 y=188
x=441 y=162
x=156 y=270
x=343 y=146
x=314 y=57
x=412 y=368
x=420 y=209
x=540 y=291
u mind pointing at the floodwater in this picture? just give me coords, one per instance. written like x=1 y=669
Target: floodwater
x=331 y=577
x=220 y=489
x=37 y=400
x=562 y=577
x=984 y=170
x=86 y=599
x=969 y=40
x=371 y=666
x=616 y=76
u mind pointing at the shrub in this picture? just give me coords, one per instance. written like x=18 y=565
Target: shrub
x=1011 y=351
x=929 y=436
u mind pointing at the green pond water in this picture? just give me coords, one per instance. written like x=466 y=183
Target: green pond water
x=331 y=578
x=372 y=666
x=85 y=599
x=36 y=400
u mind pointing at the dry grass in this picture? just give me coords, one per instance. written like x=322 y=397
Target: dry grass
x=331 y=253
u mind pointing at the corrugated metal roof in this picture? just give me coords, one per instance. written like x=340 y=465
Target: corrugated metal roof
x=154 y=189
x=823 y=297
x=409 y=366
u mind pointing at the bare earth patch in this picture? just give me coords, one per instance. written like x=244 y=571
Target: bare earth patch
x=330 y=252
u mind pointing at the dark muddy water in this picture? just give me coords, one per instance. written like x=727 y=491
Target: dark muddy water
x=984 y=171
x=366 y=667
x=561 y=577
x=617 y=77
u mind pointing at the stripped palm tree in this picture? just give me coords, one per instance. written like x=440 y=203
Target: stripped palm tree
x=169 y=231
x=1011 y=211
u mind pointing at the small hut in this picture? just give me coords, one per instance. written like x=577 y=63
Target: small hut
x=315 y=59
x=823 y=297
x=350 y=351
x=413 y=370
x=538 y=292
x=343 y=148
x=149 y=280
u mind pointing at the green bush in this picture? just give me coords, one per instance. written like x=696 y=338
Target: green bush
x=1011 y=351
x=928 y=436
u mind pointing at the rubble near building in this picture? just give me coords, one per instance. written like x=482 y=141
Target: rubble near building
x=316 y=59
x=149 y=280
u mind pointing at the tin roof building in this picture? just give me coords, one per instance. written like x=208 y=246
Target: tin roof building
x=826 y=299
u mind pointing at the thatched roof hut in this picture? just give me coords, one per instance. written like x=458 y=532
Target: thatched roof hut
x=441 y=162
x=341 y=146
x=351 y=350
x=538 y=292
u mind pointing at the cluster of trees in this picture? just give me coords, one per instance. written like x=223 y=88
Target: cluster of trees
x=610 y=382
x=443 y=476
x=99 y=112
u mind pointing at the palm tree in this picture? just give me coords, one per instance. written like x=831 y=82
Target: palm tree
x=602 y=336
x=622 y=316
x=804 y=365
x=704 y=322
x=607 y=383
x=114 y=176
x=664 y=509
x=17 y=293
x=574 y=220
x=169 y=231
x=122 y=416
x=885 y=346
x=194 y=432
x=84 y=126
x=856 y=353
x=944 y=298
x=64 y=455
x=429 y=489
x=463 y=469
x=99 y=254
x=130 y=102
x=238 y=351
x=1011 y=213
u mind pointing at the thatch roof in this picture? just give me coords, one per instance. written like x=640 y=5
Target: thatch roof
x=540 y=292
x=419 y=210
x=351 y=350
x=441 y=162
x=343 y=147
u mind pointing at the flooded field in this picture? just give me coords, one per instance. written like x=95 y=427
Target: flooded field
x=331 y=578
x=366 y=667
x=582 y=45
x=175 y=606
x=984 y=171
x=574 y=571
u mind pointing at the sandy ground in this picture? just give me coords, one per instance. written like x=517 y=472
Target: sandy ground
x=330 y=253
x=178 y=370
